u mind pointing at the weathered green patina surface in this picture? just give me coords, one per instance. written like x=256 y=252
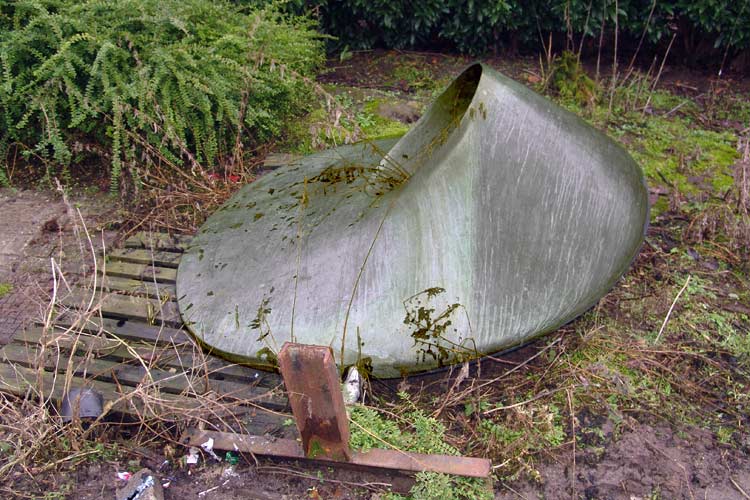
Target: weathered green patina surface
x=498 y=217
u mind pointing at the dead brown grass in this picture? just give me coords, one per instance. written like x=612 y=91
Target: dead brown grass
x=34 y=439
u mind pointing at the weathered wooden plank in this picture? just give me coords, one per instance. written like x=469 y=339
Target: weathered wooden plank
x=145 y=272
x=159 y=241
x=275 y=160
x=171 y=381
x=137 y=287
x=145 y=256
x=20 y=380
x=125 y=329
x=180 y=357
x=102 y=345
x=126 y=306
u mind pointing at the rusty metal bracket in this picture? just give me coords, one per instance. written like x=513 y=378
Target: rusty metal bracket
x=314 y=389
x=373 y=459
x=312 y=382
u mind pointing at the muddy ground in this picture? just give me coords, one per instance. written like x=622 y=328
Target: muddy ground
x=36 y=226
x=641 y=457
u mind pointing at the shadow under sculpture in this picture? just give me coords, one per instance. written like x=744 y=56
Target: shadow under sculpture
x=497 y=218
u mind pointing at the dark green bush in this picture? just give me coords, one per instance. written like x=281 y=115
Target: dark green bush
x=148 y=80
x=479 y=26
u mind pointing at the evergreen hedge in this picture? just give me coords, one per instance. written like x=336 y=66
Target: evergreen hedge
x=704 y=28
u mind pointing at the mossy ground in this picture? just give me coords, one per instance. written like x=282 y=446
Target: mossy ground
x=351 y=114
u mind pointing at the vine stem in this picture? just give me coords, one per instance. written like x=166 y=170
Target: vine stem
x=359 y=277
x=669 y=313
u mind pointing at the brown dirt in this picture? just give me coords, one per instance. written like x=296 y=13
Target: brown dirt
x=36 y=226
x=264 y=481
x=644 y=462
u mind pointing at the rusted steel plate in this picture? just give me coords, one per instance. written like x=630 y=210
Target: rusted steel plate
x=314 y=389
x=375 y=458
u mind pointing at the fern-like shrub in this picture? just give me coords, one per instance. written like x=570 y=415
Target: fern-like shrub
x=139 y=82
x=421 y=433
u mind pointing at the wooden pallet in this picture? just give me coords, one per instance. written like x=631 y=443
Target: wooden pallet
x=135 y=351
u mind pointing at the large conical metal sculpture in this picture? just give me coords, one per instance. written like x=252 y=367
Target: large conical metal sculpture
x=497 y=218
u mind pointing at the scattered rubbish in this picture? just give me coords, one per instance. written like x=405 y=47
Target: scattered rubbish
x=81 y=403
x=208 y=447
x=352 y=386
x=229 y=472
x=206 y=492
x=124 y=476
x=231 y=458
x=141 y=486
x=192 y=456
x=317 y=402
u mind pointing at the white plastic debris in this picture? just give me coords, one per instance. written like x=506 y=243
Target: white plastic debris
x=124 y=476
x=229 y=472
x=192 y=456
x=352 y=386
x=143 y=485
x=208 y=447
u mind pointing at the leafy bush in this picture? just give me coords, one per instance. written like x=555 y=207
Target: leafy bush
x=479 y=26
x=146 y=81
x=423 y=434
x=570 y=81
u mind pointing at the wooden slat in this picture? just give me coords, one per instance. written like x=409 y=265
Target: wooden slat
x=22 y=381
x=105 y=355
x=275 y=160
x=137 y=287
x=125 y=329
x=169 y=381
x=159 y=241
x=126 y=307
x=146 y=256
x=19 y=380
x=144 y=272
x=163 y=356
x=181 y=357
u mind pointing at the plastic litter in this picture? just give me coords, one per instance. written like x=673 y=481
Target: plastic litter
x=208 y=447
x=231 y=458
x=124 y=476
x=81 y=403
x=229 y=472
x=143 y=485
x=192 y=456
x=352 y=386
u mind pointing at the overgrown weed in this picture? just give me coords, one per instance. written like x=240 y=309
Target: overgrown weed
x=412 y=430
x=38 y=447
